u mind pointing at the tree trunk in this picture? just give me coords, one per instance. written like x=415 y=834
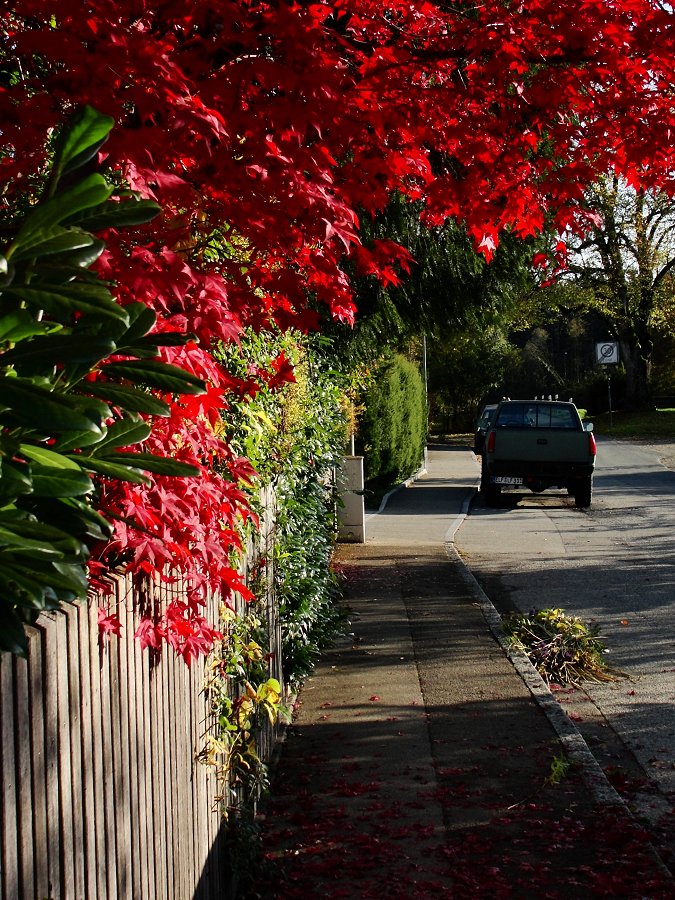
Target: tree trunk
x=638 y=367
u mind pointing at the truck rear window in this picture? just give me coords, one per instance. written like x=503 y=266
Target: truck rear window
x=537 y=415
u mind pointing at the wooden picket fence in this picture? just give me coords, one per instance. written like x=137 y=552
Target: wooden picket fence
x=102 y=796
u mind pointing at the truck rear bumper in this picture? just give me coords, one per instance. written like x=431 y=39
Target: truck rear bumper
x=555 y=472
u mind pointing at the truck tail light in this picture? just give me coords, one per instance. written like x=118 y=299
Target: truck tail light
x=492 y=437
x=592 y=446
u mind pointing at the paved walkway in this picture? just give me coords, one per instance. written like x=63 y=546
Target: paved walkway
x=419 y=762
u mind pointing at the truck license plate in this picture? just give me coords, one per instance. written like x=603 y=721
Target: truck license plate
x=505 y=479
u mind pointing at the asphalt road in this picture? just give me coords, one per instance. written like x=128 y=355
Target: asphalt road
x=613 y=564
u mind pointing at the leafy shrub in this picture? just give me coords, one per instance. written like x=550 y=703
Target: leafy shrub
x=295 y=439
x=75 y=369
x=562 y=648
x=242 y=697
x=393 y=426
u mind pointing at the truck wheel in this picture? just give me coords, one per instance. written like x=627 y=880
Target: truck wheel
x=583 y=492
x=484 y=477
x=492 y=494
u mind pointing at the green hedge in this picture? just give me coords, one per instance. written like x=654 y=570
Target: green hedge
x=392 y=431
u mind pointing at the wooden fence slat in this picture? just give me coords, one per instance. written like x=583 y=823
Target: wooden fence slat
x=75 y=719
x=51 y=724
x=24 y=789
x=38 y=767
x=89 y=797
x=197 y=817
x=107 y=800
x=156 y=776
x=24 y=786
x=9 y=839
x=144 y=798
x=115 y=764
x=97 y=754
x=68 y=843
x=166 y=738
x=120 y=737
x=182 y=781
x=134 y=781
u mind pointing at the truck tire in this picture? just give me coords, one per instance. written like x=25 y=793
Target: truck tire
x=583 y=492
x=493 y=493
x=484 y=477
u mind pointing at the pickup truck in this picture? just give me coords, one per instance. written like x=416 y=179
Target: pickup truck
x=538 y=444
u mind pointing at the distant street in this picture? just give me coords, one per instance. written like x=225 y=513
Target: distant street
x=613 y=564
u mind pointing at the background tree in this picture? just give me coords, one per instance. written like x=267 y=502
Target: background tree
x=624 y=267
x=445 y=297
x=464 y=370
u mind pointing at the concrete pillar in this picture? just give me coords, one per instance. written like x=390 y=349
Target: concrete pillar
x=351 y=515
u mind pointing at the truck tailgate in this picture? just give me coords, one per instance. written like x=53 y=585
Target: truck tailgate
x=541 y=445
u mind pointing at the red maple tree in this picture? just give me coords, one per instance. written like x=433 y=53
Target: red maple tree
x=267 y=129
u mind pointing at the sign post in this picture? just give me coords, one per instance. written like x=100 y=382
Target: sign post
x=607 y=354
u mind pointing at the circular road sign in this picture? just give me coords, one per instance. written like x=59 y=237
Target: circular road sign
x=607 y=352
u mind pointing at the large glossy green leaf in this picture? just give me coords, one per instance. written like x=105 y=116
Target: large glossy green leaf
x=23 y=523
x=123 y=433
x=80 y=141
x=116 y=214
x=160 y=339
x=129 y=398
x=14 y=481
x=63 y=300
x=41 y=353
x=50 y=481
x=46 y=457
x=35 y=589
x=12 y=540
x=89 y=193
x=40 y=409
x=113 y=470
x=72 y=573
x=55 y=270
x=75 y=517
x=160 y=465
x=24 y=589
x=140 y=321
x=21 y=324
x=93 y=407
x=137 y=340
x=57 y=242
x=159 y=375
x=78 y=439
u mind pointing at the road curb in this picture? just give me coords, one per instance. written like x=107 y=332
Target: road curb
x=383 y=502
x=575 y=746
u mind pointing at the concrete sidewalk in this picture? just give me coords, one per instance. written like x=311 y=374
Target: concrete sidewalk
x=419 y=761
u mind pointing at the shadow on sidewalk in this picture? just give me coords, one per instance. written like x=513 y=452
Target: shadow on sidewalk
x=418 y=764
